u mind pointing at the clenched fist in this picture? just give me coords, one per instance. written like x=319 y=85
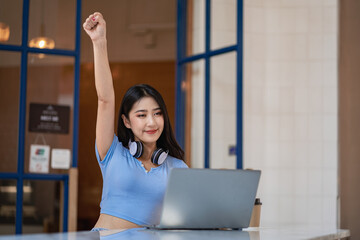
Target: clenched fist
x=95 y=27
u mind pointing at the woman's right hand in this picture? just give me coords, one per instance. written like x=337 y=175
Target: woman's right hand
x=95 y=26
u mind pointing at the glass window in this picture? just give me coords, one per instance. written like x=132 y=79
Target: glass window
x=223 y=23
x=196 y=27
x=50 y=97
x=223 y=111
x=11 y=22
x=196 y=72
x=52 y=21
x=7 y=206
x=9 y=108
x=41 y=206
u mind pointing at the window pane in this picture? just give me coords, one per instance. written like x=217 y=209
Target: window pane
x=11 y=21
x=50 y=92
x=196 y=72
x=223 y=23
x=9 y=108
x=41 y=206
x=196 y=27
x=53 y=19
x=7 y=206
x=223 y=111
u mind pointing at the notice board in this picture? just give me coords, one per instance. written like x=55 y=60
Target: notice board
x=49 y=118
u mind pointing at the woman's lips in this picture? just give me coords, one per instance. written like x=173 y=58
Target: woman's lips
x=151 y=131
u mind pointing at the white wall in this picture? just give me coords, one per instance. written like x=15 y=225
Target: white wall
x=290 y=106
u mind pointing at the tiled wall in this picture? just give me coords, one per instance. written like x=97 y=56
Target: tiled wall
x=290 y=106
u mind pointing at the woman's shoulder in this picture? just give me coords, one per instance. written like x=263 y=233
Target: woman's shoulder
x=175 y=162
x=119 y=145
x=116 y=143
x=116 y=148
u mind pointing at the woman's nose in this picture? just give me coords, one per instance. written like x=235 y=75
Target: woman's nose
x=151 y=120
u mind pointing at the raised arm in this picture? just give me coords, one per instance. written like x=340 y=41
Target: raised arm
x=95 y=27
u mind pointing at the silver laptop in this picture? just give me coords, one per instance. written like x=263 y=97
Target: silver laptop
x=209 y=199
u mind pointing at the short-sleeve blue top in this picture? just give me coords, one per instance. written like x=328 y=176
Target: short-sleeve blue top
x=129 y=192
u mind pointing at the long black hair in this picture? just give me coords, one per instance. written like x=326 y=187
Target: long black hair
x=167 y=139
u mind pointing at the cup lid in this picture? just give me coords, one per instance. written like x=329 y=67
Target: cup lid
x=257 y=201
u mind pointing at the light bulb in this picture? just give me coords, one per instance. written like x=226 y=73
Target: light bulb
x=42 y=44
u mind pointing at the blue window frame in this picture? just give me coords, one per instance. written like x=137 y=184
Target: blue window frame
x=20 y=176
x=183 y=59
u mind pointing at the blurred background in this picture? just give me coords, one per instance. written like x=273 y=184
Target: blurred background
x=300 y=102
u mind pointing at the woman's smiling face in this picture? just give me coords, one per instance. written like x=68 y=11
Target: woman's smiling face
x=145 y=120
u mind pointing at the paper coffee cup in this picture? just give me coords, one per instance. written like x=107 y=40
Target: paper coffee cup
x=255 y=216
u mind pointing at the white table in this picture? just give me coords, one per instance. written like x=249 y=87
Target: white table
x=294 y=233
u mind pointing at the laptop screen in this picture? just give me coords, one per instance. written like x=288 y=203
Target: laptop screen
x=209 y=198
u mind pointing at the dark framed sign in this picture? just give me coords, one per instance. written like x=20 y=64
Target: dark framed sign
x=49 y=118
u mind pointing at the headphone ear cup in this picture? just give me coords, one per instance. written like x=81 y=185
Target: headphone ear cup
x=159 y=156
x=136 y=149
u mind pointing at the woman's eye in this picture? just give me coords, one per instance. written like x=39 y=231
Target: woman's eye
x=158 y=113
x=142 y=115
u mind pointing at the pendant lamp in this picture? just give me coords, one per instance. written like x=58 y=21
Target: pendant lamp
x=42 y=41
x=4 y=32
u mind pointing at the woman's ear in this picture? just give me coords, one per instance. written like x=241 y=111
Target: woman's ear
x=126 y=121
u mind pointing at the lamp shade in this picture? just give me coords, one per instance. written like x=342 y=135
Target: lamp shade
x=42 y=42
x=4 y=32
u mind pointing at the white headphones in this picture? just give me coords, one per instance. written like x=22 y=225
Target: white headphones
x=136 y=149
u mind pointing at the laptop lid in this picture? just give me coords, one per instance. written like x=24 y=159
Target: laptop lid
x=209 y=199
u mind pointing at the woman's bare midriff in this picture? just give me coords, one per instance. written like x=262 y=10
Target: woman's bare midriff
x=111 y=222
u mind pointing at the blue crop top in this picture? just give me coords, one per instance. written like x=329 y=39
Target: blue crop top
x=129 y=192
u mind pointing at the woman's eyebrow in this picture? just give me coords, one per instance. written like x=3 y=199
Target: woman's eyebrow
x=144 y=110
x=141 y=110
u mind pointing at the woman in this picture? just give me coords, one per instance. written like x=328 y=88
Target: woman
x=134 y=164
